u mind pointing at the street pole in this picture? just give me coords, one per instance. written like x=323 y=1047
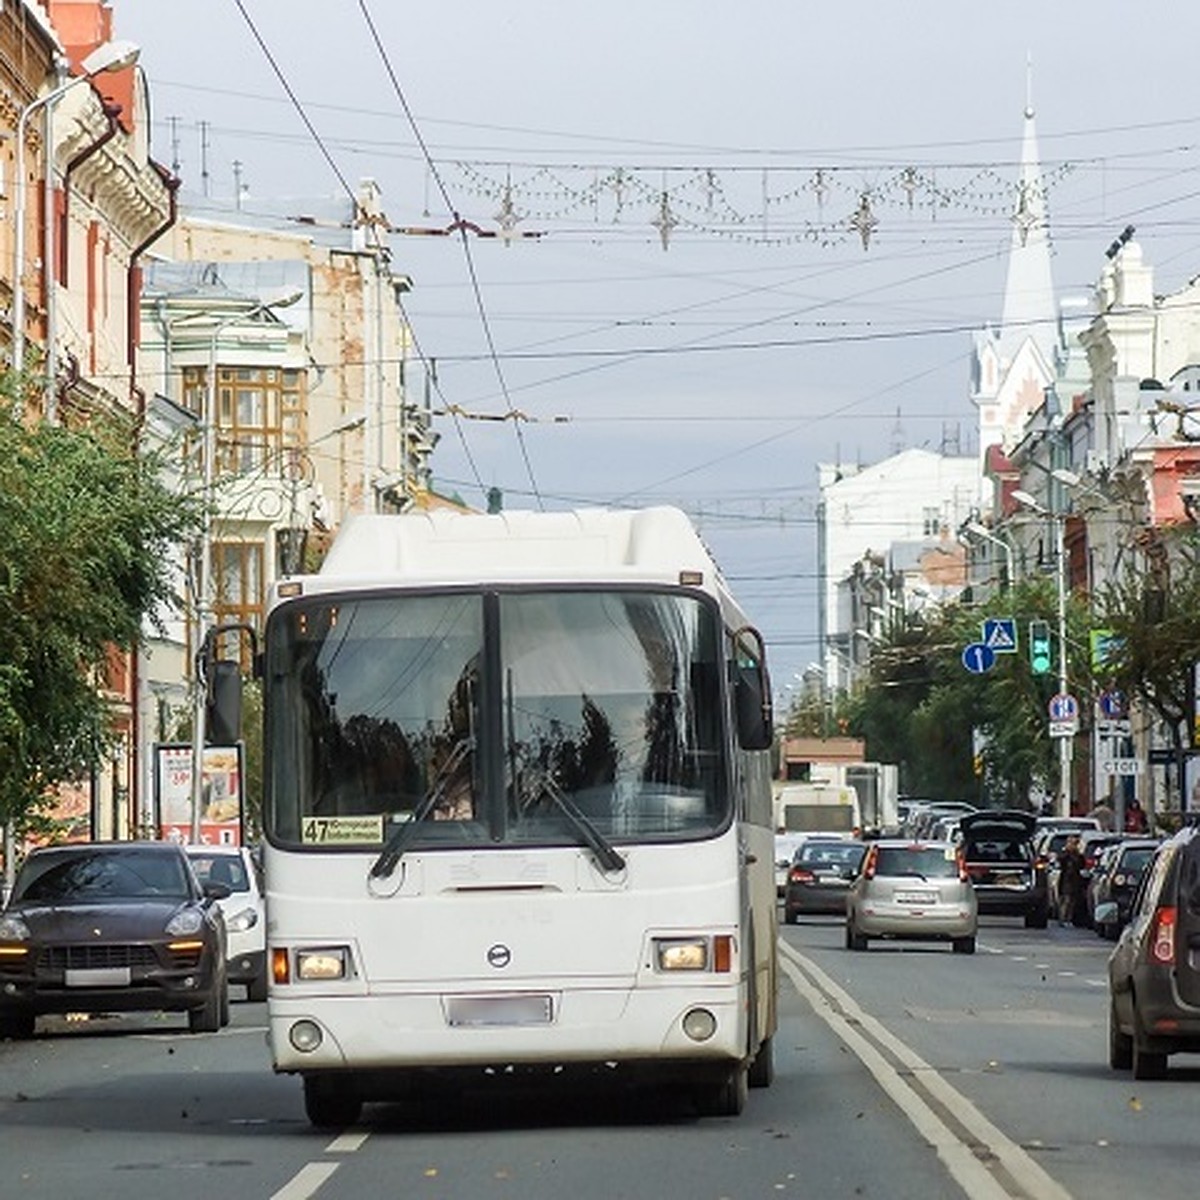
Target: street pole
x=204 y=602
x=1065 y=743
x=204 y=587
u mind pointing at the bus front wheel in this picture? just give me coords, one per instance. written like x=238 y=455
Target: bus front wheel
x=331 y=1103
x=724 y=1099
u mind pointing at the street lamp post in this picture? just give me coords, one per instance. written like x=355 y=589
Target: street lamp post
x=111 y=56
x=981 y=531
x=1060 y=578
x=204 y=601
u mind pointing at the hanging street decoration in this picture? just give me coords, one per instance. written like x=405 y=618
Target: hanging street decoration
x=824 y=206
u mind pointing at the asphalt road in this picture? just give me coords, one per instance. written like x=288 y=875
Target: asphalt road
x=905 y=1071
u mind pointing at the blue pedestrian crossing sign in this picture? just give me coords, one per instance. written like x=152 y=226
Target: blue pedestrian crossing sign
x=1000 y=635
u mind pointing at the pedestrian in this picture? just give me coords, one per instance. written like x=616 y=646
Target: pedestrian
x=1135 y=817
x=1070 y=883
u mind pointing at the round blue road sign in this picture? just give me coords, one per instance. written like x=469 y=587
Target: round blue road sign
x=978 y=657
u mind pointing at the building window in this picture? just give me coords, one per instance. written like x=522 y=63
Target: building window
x=931 y=522
x=260 y=413
x=238 y=573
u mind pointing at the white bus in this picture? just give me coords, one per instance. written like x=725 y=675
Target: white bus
x=517 y=809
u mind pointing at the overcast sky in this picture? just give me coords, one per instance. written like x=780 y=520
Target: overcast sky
x=715 y=371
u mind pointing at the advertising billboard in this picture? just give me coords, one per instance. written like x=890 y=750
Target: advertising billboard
x=221 y=794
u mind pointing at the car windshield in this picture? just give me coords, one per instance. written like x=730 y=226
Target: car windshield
x=83 y=877
x=221 y=868
x=929 y=862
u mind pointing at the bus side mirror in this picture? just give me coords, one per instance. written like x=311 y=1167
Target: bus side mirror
x=752 y=701
x=752 y=691
x=223 y=718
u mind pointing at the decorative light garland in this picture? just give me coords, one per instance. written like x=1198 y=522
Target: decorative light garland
x=826 y=206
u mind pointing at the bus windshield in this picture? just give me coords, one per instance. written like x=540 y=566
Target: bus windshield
x=495 y=719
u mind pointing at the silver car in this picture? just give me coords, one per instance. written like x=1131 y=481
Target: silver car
x=912 y=890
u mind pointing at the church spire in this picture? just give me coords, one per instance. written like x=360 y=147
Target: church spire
x=1029 y=305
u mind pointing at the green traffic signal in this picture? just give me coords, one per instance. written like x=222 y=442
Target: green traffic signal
x=1039 y=647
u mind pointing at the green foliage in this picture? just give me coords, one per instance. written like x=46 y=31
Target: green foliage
x=1154 y=616
x=923 y=710
x=86 y=539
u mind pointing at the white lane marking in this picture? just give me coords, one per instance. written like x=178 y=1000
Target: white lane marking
x=306 y=1181
x=346 y=1143
x=978 y=1183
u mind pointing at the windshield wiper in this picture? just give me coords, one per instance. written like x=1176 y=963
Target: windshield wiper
x=606 y=854
x=396 y=845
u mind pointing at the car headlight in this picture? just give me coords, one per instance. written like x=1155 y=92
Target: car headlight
x=184 y=922
x=13 y=929
x=241 y=921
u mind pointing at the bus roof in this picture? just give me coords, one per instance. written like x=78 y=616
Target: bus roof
x=446 y=548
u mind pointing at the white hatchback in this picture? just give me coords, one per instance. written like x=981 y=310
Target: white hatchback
x=244 y=909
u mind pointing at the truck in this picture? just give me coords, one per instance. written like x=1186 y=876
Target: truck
x=817 y=808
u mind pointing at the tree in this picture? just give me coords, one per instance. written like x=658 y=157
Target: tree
x=922 y=709
x=87 y=534
x=1154 y=619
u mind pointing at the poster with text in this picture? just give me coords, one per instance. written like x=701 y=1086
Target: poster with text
x=220 y=794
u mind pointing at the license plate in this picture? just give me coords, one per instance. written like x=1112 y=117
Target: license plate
x=916 y=897
x=499 y=1010
x=93 y=977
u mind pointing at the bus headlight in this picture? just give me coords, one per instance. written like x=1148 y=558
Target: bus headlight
x=700 y=953
x=681 y=954
x=328 y=963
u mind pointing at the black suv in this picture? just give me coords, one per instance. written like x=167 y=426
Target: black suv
x=1008 y=877
x=1154 y=972
x=107 y=927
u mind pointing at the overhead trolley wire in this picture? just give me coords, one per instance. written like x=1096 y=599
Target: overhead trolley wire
x=460 y=225
x=346 y=187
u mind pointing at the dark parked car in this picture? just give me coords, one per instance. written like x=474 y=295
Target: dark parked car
x=1154 y=971
x=819 y=878
x=1114 y=882
x=1009 y=879
x=112 y=927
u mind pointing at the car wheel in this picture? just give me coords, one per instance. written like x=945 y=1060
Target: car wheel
x=854 y=939
x=224 y=1003
x=964 y=945
x=331 y=1103
x=1148 y=1064
x=1120 y=1045
x=207 y=1018
x=17 y=1026
x=256 y=989
x=1038 y=919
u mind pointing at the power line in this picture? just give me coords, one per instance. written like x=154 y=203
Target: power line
x=465 y=242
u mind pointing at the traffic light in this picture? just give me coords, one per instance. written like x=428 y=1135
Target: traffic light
x=1039 y=647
